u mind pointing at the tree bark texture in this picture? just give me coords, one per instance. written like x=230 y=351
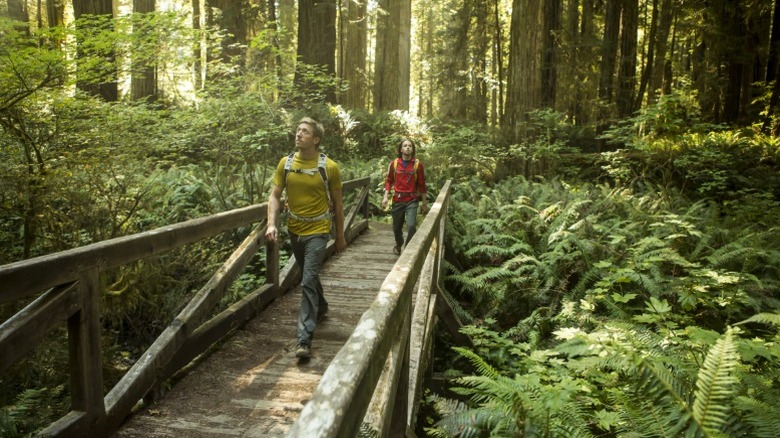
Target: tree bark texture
x=551 y=28
x=107 y=90
x=391 y=78
x=352 y=54
x=524 y=82
x=317 y=40
x=144 y=82
x=609 y=50
x=628 y=52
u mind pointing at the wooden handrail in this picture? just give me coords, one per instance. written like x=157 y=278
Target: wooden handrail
x=376 y=375
x=72 y=278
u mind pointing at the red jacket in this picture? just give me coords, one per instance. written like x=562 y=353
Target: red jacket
x=403 y=182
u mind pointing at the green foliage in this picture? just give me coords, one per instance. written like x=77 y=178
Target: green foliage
x=623 y=291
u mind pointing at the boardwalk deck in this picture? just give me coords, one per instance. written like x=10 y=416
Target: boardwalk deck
x=252 y=385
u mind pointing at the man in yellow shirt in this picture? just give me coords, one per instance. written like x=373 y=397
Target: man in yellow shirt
x=310 y=205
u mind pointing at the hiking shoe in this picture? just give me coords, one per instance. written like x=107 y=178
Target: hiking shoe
x=303 y=351
x=397 y=250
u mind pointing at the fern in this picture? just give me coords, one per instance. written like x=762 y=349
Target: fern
x=715 y=384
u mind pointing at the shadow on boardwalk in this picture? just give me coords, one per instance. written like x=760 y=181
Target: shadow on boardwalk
x=252 y=385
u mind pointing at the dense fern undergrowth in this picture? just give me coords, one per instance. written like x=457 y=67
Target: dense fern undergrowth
x=625 y=293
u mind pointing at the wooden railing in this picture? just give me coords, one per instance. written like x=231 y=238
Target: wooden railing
x=69 y=287
x=376 y=377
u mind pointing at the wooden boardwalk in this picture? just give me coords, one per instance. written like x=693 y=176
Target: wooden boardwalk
x=252 y=385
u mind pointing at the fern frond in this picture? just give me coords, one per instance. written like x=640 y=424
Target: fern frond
x=766 y=318
x=763 y=419
x=482 y=367
x=715 y=384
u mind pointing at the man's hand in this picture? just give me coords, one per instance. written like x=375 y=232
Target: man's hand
x=272 y=233
x=384 y=202
x=424 y=209
x=341 y=244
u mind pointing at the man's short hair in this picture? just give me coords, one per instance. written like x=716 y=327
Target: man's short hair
x=319 y=130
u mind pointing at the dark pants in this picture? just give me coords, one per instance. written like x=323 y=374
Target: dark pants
x=404 y=211
x=309 y=253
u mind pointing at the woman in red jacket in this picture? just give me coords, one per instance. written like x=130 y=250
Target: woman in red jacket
x=406 y=178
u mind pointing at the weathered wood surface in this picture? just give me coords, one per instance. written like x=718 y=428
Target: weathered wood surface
x=253 y=385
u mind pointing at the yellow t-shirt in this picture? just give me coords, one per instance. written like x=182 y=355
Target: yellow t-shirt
x=306 y=195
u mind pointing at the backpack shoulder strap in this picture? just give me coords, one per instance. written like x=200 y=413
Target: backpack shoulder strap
x=322 y=167
x=288 y=166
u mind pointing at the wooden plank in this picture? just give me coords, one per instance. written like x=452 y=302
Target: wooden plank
x=86 y=358
x=25 y=330
x=420 y=322
x=140 y=378
x=381 y=409
x=22 y=278
x=73 y=425
x=340 y=400
x=450 y=319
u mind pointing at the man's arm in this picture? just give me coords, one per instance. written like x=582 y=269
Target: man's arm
x=338 y=216
x=274 y=201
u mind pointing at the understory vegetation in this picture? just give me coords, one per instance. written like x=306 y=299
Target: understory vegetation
x=632 y=292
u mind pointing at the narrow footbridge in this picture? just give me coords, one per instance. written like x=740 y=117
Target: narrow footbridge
x=235 y=374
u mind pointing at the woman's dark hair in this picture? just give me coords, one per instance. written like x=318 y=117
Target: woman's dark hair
x=414 y=147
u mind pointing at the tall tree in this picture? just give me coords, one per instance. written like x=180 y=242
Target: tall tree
x=628 y=58
x=454 y=80
x=609 y=50
x=479 y=75
x=55 y=12
x=17 y=10
x=316 y=41
x=143 y=82
x=391 y=73
x=524 y=88
x=107 y=87
x=661 y=59
x=352 y=53
x=551 y=28
x=229 y=15
x=774 y=45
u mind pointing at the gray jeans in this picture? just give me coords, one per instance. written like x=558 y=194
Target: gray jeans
x=404 y=211
x=309 y=252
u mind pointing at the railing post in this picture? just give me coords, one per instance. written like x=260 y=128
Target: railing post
x=86 y=370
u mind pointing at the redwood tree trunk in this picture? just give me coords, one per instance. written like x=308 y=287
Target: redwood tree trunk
x=108 y=90
x=144 y=82
x=316 y=41
x=391 y=73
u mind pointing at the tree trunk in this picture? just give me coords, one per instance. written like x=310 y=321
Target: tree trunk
x=524 y=82
x=649 y=66
x=316 y=43
x=609 y=47
x=230 y=18
x=774 y=46
x=735 y=61
x=628 y=47
x=661 y=60
x=479 y=69
x=55 y=11
x=498 y=45
x=551 y=28
x=391 y=77
x=144 y=82
x=454 y=81
x=17 y=10
x=353 y=52
x=108 y=90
